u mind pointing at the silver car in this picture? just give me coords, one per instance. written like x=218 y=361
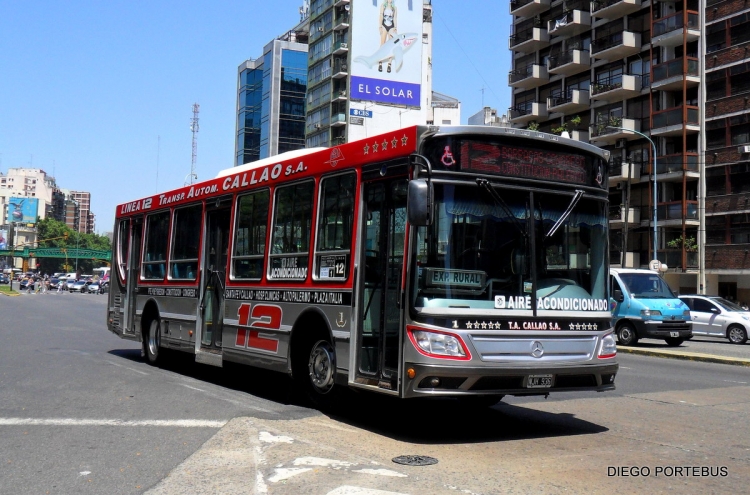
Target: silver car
x=714 y=316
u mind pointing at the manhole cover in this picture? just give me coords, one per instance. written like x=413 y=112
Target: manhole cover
x=415 y=460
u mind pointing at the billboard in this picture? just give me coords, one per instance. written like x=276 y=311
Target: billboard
x=3 y=239
x=386 y=51
x=23 y=210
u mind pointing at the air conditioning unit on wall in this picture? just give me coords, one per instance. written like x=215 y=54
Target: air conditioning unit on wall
x=745 y=148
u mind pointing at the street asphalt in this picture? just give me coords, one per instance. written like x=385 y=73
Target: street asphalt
x=227 y=462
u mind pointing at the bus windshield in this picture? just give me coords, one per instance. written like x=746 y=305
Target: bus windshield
x=506 y=249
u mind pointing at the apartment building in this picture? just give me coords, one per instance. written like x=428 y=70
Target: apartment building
x=727 y=144
x=623 y=75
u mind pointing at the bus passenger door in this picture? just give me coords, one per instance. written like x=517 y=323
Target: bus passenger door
x=379 y=312
x=213 y=273
x=132 y=273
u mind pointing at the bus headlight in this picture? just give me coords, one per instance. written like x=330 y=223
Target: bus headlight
x=608 y=347
x=438 y=344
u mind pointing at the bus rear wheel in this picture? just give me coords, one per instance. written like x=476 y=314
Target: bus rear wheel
x=152 y=341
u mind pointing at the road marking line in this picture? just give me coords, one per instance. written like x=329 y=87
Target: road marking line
x=127 y=368
x=192 y=388
x=181 y=423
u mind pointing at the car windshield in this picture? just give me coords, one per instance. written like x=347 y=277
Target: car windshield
x=487 y=246
x=647 y=286
x=727 y=305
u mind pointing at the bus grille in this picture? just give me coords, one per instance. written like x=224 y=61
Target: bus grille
x=518 y=349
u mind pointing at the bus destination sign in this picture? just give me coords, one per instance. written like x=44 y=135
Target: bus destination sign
x=512 y=161
x=509 y=160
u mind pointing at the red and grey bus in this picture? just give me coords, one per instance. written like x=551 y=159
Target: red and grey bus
x=464 y=261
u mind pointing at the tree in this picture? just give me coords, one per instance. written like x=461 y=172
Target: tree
x=53 y=233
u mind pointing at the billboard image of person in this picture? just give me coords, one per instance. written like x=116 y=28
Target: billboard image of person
x=22 y=210
x=3 y=239
x=386 y=51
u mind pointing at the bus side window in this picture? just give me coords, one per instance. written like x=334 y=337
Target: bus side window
x=157 y=236
x=250 y=236
x=186 y=231
x=335 y=225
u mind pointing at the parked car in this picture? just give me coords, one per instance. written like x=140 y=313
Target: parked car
x=4 y=279
x=54 y=283
x=714 y=316
x=25 y=283
x=78 y=286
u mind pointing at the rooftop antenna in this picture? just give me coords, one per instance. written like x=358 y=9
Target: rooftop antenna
x=194 y=129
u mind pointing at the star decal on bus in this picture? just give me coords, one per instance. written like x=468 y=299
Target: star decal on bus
x=367 y=149
x=394 y=143
x=404 y=140
x=374 y=147
x=384 y=146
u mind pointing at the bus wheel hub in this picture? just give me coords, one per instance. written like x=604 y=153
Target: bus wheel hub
x=321 y=366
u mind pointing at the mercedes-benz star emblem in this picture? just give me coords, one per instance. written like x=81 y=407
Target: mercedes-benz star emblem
x=537 y=349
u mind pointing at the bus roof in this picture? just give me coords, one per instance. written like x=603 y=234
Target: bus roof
x=313 y=161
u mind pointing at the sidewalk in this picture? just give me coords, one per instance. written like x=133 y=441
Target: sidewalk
x=677 y=353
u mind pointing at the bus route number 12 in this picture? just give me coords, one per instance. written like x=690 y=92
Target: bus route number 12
x=263 y=316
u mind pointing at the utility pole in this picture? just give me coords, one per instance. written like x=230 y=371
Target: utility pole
x=194 y=128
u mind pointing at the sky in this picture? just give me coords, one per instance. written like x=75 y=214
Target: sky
x=100 y=94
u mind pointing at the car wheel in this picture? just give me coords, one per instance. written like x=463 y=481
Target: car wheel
x=674 y=341
x=736 y=334
x=152 y=341
x=626 y=335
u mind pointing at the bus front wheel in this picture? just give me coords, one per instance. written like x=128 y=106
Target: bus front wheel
x=152 y=341
x=316 y=371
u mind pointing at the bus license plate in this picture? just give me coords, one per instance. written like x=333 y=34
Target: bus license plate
x=539 y=381
x=674 y=334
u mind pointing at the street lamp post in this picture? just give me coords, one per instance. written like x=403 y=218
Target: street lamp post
x=653 y=151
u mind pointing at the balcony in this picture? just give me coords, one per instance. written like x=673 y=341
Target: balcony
x=528 y=8
x=339 y=69
x=601 y=134
x=673 y=258
x=616 y=88
x=614 y=9
x=670 y=75
x=531 y=76
x=574 y=101
x=670 y=122
x=570 y=23
x=339 y=95
x=616 y=46
x=342 y=22
x=340 y=48
x=670 y=214
x=619 y=216
x=529 y=40
x=340 y=3
x=670 y=168
x=668 y=31
x=338 y=120
x=524 y=113
x=620 y=170
x=569 y=62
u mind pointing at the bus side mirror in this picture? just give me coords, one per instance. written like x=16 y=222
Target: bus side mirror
x=618 y=295
x=419 y=203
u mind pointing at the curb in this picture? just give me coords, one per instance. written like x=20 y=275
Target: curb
x=688 y=356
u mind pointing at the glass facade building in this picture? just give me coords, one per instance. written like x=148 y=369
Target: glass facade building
x=271 y=99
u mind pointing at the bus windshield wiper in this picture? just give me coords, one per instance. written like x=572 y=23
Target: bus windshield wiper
x=566 y=213
x=485 y=184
